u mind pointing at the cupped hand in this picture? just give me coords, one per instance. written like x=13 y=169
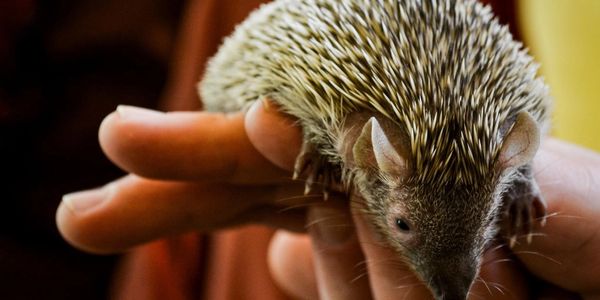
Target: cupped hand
x=204 y=171
x=566 y=252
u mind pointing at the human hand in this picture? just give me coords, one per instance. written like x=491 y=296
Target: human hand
x=565 y=252
x=190 y=171
x=178 y=151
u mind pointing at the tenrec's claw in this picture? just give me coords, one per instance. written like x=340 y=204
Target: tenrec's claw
x=318 y=171
x=524 y=208
x=307 y=189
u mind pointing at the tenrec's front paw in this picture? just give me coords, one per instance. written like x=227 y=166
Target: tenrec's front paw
x=522 y=214
x=317 y=170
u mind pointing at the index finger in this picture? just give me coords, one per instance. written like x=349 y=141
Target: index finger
x=198 y=145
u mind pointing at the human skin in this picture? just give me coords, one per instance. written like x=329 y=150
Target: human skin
x=199 y=171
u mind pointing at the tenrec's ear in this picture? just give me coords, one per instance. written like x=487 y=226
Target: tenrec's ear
x=373 y=148
x=388 y=159
x=362 y=151
x=521 y=143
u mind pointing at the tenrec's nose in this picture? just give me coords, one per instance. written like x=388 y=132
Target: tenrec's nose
x=453 y=285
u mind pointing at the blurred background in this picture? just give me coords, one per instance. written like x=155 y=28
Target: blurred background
x=66 y=64
x=564 y=36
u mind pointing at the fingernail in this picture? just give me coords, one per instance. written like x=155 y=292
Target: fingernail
x=80 y=202
x=127 y=112
x=331 y=226
x=253 y=110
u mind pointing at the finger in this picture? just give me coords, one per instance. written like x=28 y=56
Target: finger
x=291 y=265
x=184 y=146
x=339 y=263
x=568 y=243
x=500 y=277
x=274 y=135
x=133 y=210
x=389 y=277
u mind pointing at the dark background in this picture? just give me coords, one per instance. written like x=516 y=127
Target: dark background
x=64 y=65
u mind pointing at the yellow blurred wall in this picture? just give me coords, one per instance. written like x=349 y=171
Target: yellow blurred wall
x=564 y=36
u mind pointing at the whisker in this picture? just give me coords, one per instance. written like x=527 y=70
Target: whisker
x=533 y=234
x=498 y=287
x=500 y=246
x=407 y=285
x=309 y=196
x=498 y=261
x=502 y=260
x=406 y=276
x=540 y=255
x=526 y=235
x=361 y=263
x=407 y=293
x=387 y=262
x=357 y=278
x=476 y=295
x=316 y=221
x=559 y=215
x=484 y=283
x=292 y=207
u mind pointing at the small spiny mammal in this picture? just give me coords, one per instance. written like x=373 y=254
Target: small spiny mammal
x=427 y=108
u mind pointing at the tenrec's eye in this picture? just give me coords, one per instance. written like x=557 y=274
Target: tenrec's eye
x=402 y=225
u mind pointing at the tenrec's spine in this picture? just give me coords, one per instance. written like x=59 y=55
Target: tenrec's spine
x=444 y=70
